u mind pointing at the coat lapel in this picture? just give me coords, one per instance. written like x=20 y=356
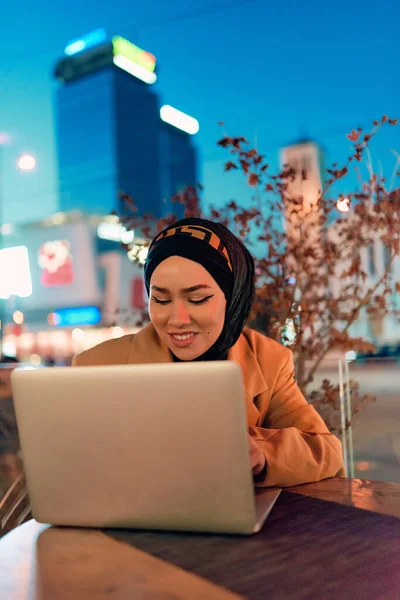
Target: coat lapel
x=146 y=347
x=253 y=378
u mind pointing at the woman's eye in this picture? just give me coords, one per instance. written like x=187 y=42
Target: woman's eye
x=200 y=301
x=158 y=301
x=192 y=301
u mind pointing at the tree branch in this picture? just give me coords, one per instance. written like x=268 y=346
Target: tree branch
x=355 y=313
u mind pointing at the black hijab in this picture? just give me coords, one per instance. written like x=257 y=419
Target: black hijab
x=225 y=257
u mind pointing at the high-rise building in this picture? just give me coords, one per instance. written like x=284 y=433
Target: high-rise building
x=107 y=128
x=111 y=134
x=178 y=156
x=305 y=157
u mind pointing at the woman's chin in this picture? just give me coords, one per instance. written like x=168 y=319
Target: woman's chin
x=186 y=353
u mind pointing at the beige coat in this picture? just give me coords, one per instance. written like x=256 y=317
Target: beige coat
x=298 y=446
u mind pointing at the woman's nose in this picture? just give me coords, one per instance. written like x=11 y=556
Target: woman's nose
x=179 y=314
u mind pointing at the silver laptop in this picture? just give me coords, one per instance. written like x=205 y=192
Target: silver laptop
x=156 y=446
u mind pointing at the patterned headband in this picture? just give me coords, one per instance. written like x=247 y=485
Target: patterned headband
x=201 y=233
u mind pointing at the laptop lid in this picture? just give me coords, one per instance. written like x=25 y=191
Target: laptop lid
x=155 y=446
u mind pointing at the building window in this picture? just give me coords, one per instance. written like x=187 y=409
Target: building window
x=371 y=261
x=386 y=255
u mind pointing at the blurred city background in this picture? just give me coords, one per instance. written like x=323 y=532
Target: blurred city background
x=95 y=100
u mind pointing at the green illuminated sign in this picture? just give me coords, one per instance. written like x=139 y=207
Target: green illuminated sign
x=122 y=47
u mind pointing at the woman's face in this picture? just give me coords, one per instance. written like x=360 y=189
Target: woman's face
x=187 y=307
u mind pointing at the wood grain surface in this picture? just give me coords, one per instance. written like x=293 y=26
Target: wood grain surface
x=308 y=548
x=50 y=563
x=335 y=546
x=378 y=496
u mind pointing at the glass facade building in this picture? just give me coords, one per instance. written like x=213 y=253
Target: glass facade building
x=107 y=142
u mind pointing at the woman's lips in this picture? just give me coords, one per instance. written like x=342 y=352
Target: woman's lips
x=182 y=340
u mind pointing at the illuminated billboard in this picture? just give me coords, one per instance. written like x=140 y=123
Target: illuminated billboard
x=134 y=60
x=123 y=47
x=179 y=119
x=55 y=260
x=15 y=273
x=87 y=41
x=115 y=232
x=72 y=317
x=94 y=51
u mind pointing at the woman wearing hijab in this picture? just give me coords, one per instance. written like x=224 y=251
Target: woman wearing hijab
x=200 y=281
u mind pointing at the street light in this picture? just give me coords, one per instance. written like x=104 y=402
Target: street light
x=343 y=204
x=26 y=162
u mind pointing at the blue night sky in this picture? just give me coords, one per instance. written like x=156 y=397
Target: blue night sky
x=275 y=70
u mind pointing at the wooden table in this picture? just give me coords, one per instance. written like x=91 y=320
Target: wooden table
x=338 y=538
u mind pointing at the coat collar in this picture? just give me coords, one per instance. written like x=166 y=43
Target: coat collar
x=146 y=347
x=253 y=377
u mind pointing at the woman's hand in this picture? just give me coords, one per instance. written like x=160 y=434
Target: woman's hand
x=257 y=457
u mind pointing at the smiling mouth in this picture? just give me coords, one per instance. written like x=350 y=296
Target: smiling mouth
x=182 y=340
